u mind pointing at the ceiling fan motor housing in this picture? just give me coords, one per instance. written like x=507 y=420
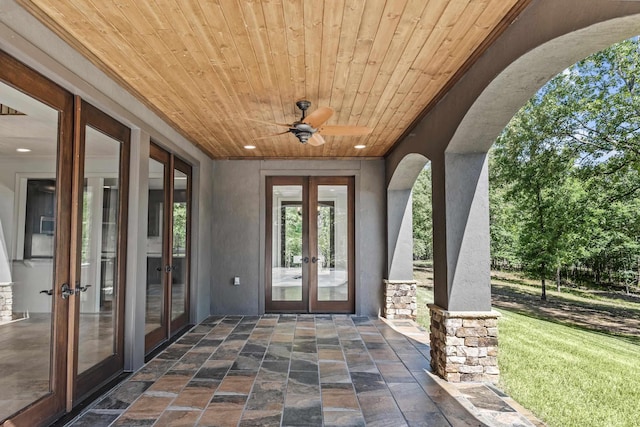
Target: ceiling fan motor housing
x=303 y=131
x=302 y=135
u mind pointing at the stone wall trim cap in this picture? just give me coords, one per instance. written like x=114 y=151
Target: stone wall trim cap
x=465 y=314
x=401 y=282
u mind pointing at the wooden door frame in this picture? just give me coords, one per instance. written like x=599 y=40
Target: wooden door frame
x=183 y=320
x=161 y=334
x=36 y=86
x=309 y=304
x=285 y=306
x=83 y=385
x=316 y=306
x=169 y=327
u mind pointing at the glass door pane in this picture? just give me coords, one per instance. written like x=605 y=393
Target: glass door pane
x=287 y=256
x=155 y=319
x=287 y=251
x=31 y=256
x=99 y=255
x=331 y=239
x=180 y=244
x=333 y=242
x=99 y=251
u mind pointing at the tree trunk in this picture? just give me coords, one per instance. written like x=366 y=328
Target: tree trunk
x=558 y=278
x=543 y=297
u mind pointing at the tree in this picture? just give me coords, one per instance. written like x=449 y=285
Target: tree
x=535 y=167
x=566 y=185
x=422 y=214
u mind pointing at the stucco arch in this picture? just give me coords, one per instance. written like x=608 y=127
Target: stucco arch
x=518 y=82
x=547 y=36
x=400 y=216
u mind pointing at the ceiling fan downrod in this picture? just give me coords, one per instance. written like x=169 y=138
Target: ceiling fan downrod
x=301 y=130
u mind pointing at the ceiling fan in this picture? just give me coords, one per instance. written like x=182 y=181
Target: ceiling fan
x=309 y=129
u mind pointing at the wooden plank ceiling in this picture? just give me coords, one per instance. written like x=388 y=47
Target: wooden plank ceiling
x=206 y=65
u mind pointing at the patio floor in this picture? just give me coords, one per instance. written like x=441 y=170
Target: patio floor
x=298 y=370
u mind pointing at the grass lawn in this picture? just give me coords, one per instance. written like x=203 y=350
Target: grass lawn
x=569 y=376
x=565 y=374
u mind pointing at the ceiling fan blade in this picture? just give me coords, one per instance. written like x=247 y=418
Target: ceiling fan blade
x=318 y=117
x=270 y=136
x=345 y=130
x=316 y=140
x=268 y=123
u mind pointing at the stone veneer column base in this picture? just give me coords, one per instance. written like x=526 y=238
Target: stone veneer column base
x=464 y=345
x=400 y=299
x=6 y=302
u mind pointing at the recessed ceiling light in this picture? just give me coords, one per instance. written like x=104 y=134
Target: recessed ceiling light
x=359 y=147
x=250 y=147
x=23 y=150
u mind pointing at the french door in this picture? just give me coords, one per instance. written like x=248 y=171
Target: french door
x=63 y=191
x=168 y=241
x=310 y=245
x=98 y=248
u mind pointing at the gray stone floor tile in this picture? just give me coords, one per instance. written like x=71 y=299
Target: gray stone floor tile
x=297 y=370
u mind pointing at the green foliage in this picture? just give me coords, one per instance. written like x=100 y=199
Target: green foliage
x=565 y=172
x=293 y=231
x=422 y=229
x=179 y=227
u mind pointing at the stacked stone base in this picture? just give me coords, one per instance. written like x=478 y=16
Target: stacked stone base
x=464 y=345
x=6 y=302
x=400 y=299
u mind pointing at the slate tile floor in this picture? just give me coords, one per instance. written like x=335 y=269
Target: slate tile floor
x=294 y=370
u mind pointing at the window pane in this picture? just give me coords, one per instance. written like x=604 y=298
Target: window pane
x=286 y=258
x=154 y=318
x=179 y=250
x=333 y=243
x=28 y=147
x=98 y=273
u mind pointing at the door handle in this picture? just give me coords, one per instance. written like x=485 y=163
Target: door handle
x=168 y=268
x=67 y=291
x=81 y=289
x=314 y=260
x=305 y=259
x=47 y=291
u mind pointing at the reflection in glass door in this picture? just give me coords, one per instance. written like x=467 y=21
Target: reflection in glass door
x=287 y=251
x=180 y=214
x=333 y=245
x=310 y=247
x=35 y=184
x=168 y=242
x=98 y=303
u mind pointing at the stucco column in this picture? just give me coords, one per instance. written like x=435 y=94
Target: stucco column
x=461 y=232
x=464 y=334
x=400 y=234
x=400 y=288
